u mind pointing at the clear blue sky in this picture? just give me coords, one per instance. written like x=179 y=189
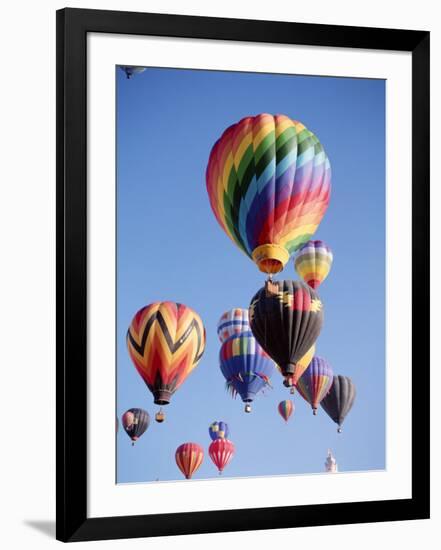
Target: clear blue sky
x=170 y=247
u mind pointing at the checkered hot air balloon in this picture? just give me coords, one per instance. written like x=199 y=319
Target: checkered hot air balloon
x=269 y=181
x=313 y=262
x=218 y=430
x=166 y=341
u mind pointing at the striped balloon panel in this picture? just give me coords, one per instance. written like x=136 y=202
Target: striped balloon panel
x=221 y=452
x=268 y=180
x=316 y=381
x=286 y=408
x=189 y=457
x=245 y=366
x=241 y=344
x=313 y=262
x=218 y=430
x=135 y=422
x=339 y=400
x=165 y=340
x=232 y=322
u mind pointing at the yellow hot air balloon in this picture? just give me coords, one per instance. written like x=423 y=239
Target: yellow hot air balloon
x=313 y=263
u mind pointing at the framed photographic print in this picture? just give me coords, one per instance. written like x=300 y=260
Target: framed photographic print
x=242 y=274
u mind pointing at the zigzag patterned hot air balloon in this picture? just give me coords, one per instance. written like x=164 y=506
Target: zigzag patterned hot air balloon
x=189 y=457
x=232 y=322
x=221 y=452
x=269 y=180
x=315 y=382
x=218 y=430
x=313 y=263
x=165 y=341
x=286 y=322
x=245 y=366
x=285 y=408
x=135 y=422
x=339 y=400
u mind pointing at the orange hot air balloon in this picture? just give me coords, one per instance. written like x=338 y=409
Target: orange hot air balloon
x=189 y=457
x=165 y=340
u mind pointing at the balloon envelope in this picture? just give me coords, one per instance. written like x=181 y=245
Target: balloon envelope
x=232 y=322
x=221 y=452
x=189 y=457
x=165 y=340
x=245 y=366
x=299 y=368
x=313 y=262
x=268 y=180
x=286 y=408
x=339 y=400
x=218 y=430
x=135 y=422
x=315 y=382
x=286 y=322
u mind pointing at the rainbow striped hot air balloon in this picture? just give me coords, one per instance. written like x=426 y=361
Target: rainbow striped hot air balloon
x=285 y=408
x=268 y=179
x=232 y=322
x=315 y=382
x=313 y=263
x=165 y=340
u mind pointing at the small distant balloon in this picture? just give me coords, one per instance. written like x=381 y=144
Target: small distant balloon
x=218 y=430
x=315 y=382
x=130 y=70
x=221 y=452
x=135 y=422
x=286 y=408
x=189 y=457
x=313 y=262
x=339 y=400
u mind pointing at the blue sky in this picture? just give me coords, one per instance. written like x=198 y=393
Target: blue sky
x=170 y=247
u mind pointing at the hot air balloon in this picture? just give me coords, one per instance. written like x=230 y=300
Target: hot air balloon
x=245 y=366
x=130 y=71
x=286 y=322
x=189 y=457
x=165 y=341
x=218 y=430
x=286 y=408
x=315 y=382
x=299 y=368
x=221 y=452
x=135 y=422
x=232 y=322
x=313 y=263
x=339 y=400
x=268 y=180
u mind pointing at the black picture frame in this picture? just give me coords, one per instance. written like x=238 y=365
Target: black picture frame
x=71 y=320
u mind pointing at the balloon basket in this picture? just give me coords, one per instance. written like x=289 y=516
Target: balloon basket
x=314 y=412
x=247 y=408
x=160 y=416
